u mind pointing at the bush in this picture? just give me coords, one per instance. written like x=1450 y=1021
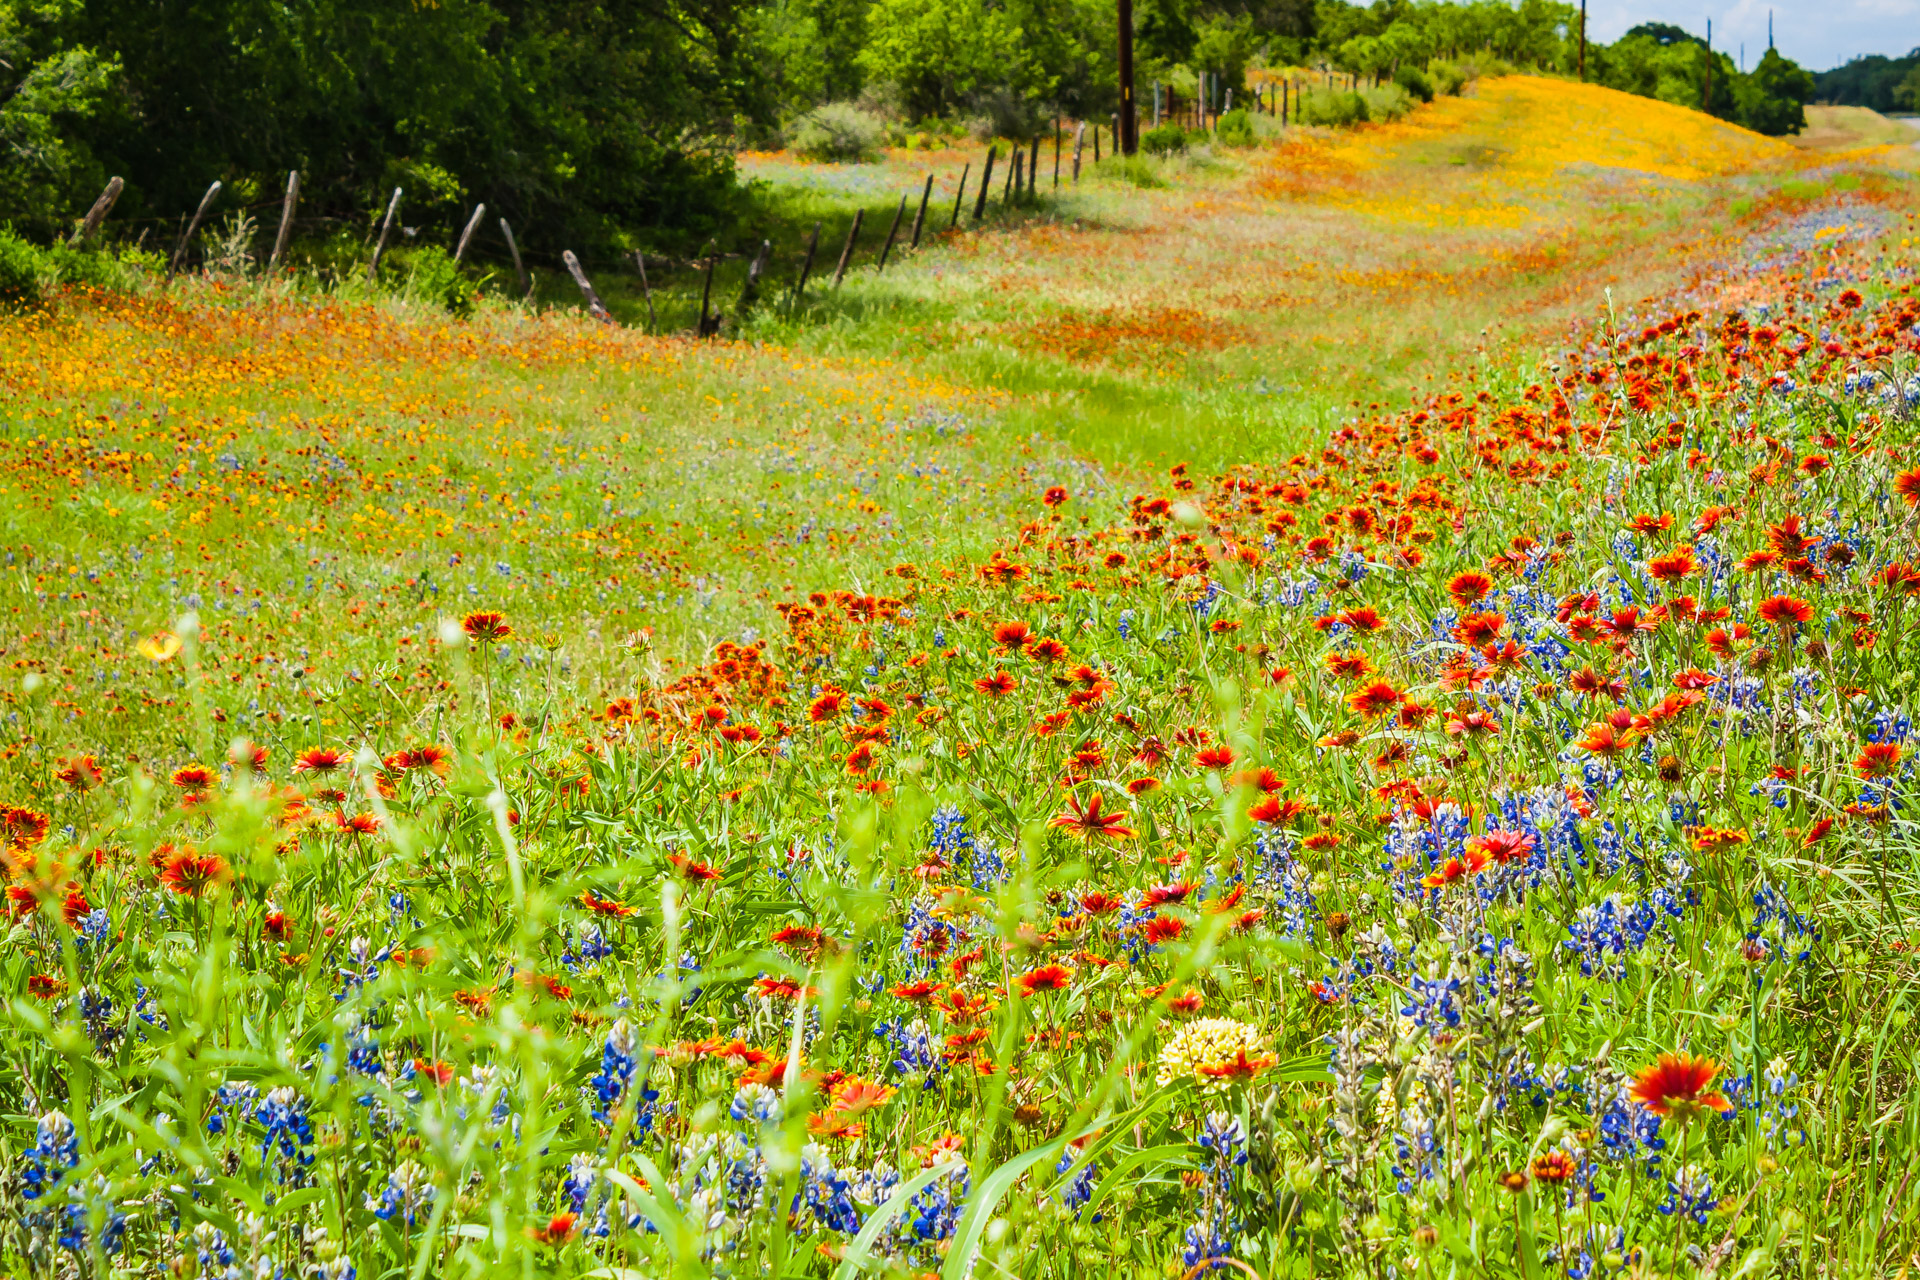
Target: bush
x=29 y=273
x=1235 y=129
x=1136 y=170
x=1446 y=78
x=1167 y=140
x=1331 y=107
x=838 y=131
x=1388 y=102
x=1415 y=82
x=433 y=276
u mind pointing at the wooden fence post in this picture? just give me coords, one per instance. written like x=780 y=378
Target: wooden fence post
x=646 y=290
x=846 y=250
x=986 y=184
x=892 y=231
x=960 y=196
x=594 y=305
x=288 y=204
x=926 y=194
x=98 y=213
x=1079 y=142
x=466 y=236
x=1096 y=144
x=386 y=228
x=1033 y=163
x=806 y=264
x=186 y=237
x=519 y=268
x=750 y=291
x=1011 y=187
x=1056 y=153
x=708 y=325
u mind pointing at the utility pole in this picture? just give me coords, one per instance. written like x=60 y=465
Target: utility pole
x=1706 y=93
x=1128 y=141
x=1583 y=41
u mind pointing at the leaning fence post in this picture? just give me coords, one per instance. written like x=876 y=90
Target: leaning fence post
x=98 y=213
x=386 y=229
x=806 y=264
x=959 y=197
x=186 y=237
x=892 y=231
x=846 y=250
x=519 y=268
x=1079 y=142
x=1011 y=187
x=288 y=203
x=750 y=291
x=986 y=184
x=708 y=327
x=646 y=291
x=466 y=236
x=926 y=194
x=594 y=304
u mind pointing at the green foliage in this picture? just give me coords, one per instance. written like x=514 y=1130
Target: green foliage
x=1446 y=77
x=432 y=275
x=1874 y=81
x=1334 y=107
x=1416 y=82
x=1167 y=140
x=1772 y=99
x=1136 y=171
x=49 y=84
x=1235 y=129
x=949 y=57
x=838 y=131
x=29 y=273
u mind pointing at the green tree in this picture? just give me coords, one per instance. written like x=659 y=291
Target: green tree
x=1772 y=98
x=49 y=85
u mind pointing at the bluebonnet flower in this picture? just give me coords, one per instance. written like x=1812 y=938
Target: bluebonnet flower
x=233 y=1096
x=96 y=927
x=934 y=1213
x=756 y=1103
x=611 y=1085
x=55 y=1150
x=283 y=1114
x=583 y=1174
x=824 y=1192
x=1079 y=1190
x=214 y=1253
x=1432 y=1000
x=409 y=1189
x=96 y=1012
x=1690 y=1192
x=914 y=1049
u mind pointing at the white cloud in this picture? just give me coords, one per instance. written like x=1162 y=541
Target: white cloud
x=1817 y=35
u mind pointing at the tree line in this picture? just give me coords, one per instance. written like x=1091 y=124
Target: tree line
x=612 y=124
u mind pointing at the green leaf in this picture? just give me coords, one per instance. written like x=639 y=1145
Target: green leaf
x=980 y=1207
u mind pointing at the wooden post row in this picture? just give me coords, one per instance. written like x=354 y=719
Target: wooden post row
x=287 y=205
x=186 y=237
x=466 y=235
x=846 y=252
x=926 y=193
x=986 y=184
x=98 y=213
x=892 y=231
x=960 y=195
x=386 y=229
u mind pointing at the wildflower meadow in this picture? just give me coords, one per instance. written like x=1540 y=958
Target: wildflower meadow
x=513 y=795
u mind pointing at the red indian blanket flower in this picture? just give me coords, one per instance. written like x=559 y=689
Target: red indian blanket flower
x=1048 y=977
x=1679 y=1086
x=1090 y=823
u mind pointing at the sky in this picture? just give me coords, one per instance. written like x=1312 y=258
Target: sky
x=1817 y=34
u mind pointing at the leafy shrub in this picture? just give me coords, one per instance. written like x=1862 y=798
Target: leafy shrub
x=838 y=131
x=1235 y=129
x=1388 y=102
x=1167 y=140
x=433 y=276
x=19 y=271
x=1415 y=82
x=1446 y=78
x=29 y=273
x=1331 y=107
